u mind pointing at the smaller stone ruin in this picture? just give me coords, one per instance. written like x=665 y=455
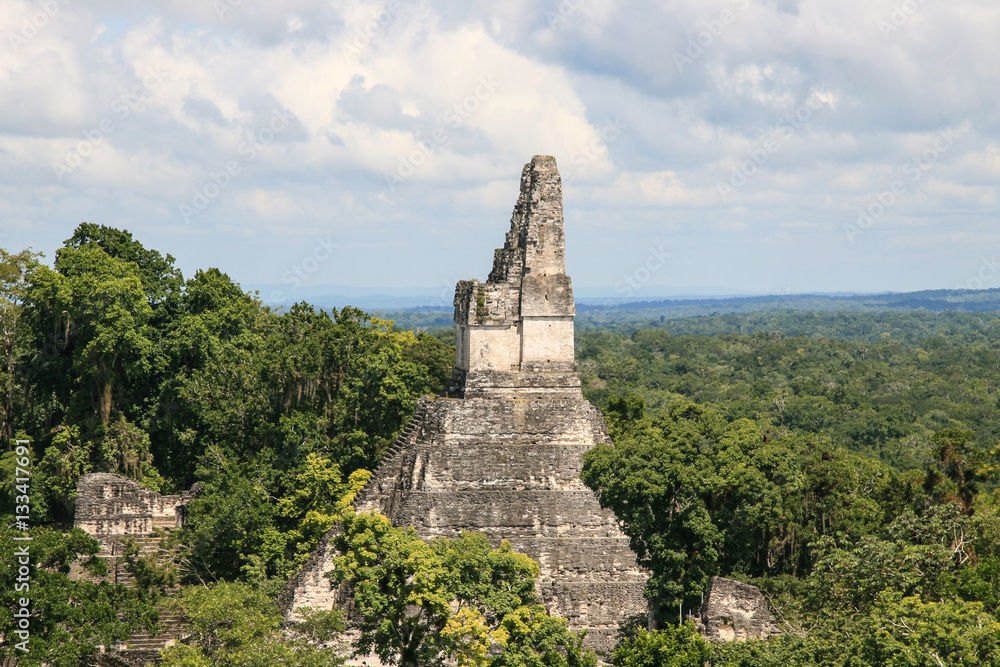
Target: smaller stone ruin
x=110 y=506
x=111 y=509
x=734 y=611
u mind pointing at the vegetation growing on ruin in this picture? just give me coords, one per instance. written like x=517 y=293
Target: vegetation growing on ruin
x=845 y=462
x=481 y=311
x=425 y=603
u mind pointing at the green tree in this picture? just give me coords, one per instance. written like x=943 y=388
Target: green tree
x=215 y=393
x=677 y=646
x=68 y=458
x=126 y=451
x=233 y=533
x=107 y=318
x=529 y=637
x=318 y=500
x=161 y=280
x=910 y=632
x=15 y=271
x=981 y=583
x=783 y=651
x=656 y=478
x=958 y=461
x=70 y=617
x=421 y=603
x=235 y=625
x=426 y=351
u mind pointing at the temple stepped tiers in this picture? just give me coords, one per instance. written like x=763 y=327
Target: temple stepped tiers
x=502 y=454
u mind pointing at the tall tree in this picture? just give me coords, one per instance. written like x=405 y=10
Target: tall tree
x=161 y=280
x=422 y=603
x=14 y=275
x=108 y=317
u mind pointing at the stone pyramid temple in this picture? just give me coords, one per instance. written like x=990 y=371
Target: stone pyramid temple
x=502 y=453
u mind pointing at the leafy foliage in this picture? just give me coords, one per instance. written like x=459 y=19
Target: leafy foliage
x=678 y=646
x=234 y=625
x=701 y=496
x=70 y=618
x=424 y=602
x=120 y=365
x=884 y=399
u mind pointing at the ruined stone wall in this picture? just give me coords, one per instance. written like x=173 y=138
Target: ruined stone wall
x=734 y=611
x=546 y=340
x=110 y=506
x=309 y=588
x=536 y=242
x=521 y=319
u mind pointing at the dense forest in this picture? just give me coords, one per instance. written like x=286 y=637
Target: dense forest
x=907 y=316
x=844 y=461
x=113 y=362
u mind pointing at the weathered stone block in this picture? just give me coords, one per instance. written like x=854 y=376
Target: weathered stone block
x=110 y=506
x=734 y=611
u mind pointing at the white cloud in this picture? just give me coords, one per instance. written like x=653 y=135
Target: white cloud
x=459 y=95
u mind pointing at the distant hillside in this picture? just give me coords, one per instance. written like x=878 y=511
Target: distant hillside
x=931 y=300
x=929 y=312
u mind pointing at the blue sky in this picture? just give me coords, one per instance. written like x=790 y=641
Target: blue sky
x=766 y=146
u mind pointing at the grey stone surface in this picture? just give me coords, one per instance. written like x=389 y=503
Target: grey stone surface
x=109 y=506
x=515 y=331
x=734 y=611
x=502 y=455
x=113 y=509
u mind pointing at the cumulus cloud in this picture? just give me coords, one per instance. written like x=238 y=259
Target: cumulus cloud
x=748 y=133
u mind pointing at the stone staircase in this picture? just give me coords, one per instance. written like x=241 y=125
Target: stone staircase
x=113 y=553
x=393 y=461
x=172 y=627
x=142 y=648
